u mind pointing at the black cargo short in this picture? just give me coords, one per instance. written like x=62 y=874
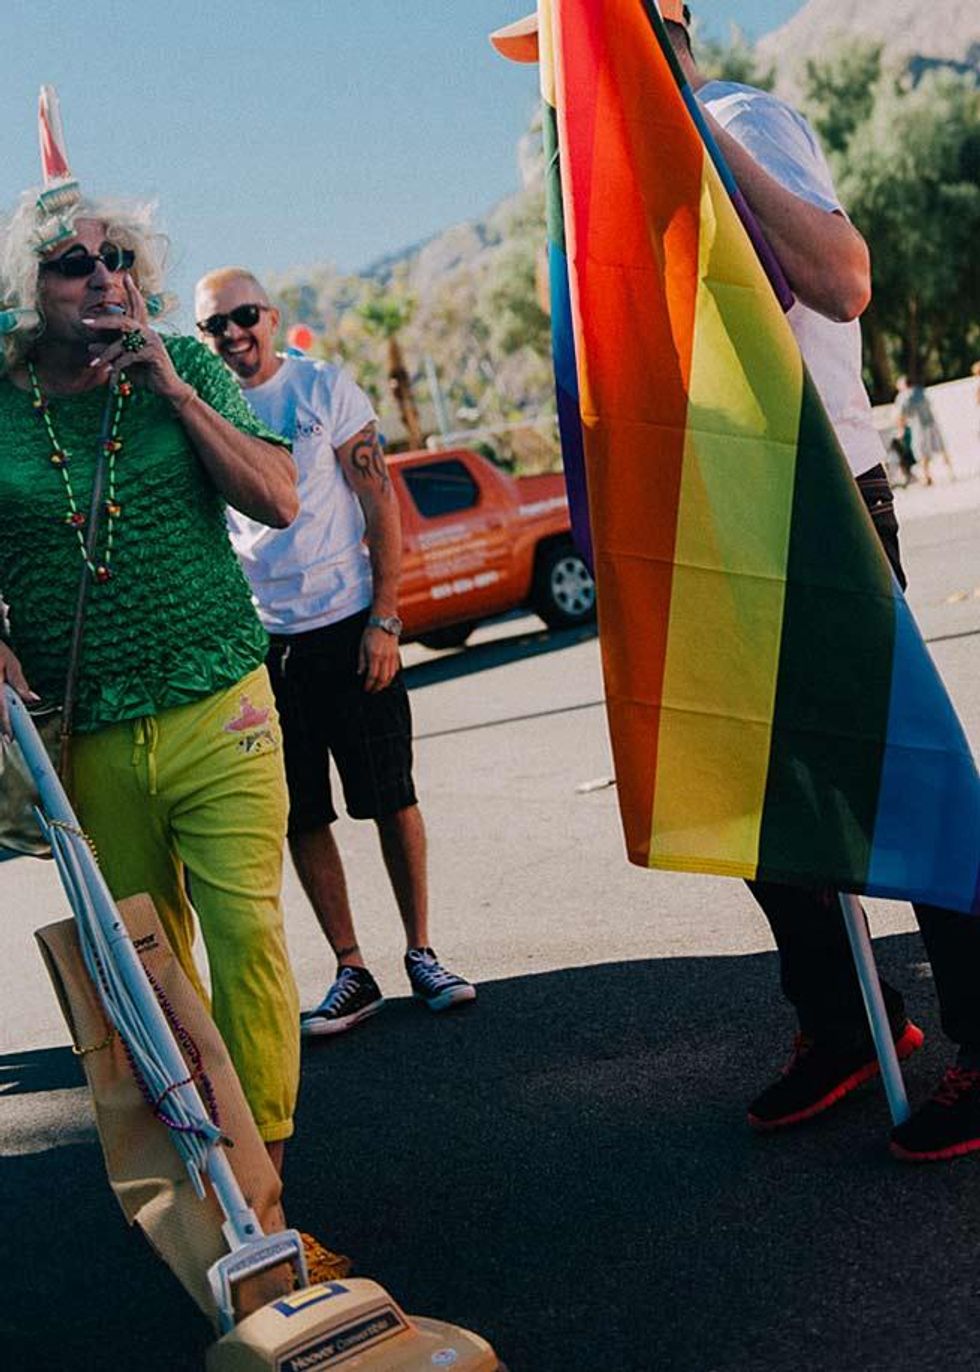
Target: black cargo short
x=326 y=713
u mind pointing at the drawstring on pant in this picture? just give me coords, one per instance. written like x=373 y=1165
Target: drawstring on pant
x=146 y=734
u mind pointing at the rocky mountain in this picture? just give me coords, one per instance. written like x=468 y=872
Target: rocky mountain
x=940 y=32
x=432 y=259
x=915 y=34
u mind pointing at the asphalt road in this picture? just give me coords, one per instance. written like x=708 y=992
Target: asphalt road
x=563 y=1166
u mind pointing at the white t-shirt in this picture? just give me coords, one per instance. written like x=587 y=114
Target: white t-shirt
x=317 y=571
x=782 y=142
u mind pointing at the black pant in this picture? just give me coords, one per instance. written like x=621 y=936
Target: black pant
x=817 y=970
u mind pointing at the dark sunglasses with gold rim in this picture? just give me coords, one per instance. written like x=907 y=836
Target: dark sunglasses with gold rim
x=78 y=261
x=245 y=316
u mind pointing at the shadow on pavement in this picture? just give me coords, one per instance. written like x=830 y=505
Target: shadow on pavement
x=44 y=1069
x=564 y=1167
x=482 y=656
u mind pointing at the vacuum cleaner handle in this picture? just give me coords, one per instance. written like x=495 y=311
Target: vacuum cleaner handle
x=258 y=1255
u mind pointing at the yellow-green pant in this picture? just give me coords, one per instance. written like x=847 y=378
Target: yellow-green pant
x=200 y=788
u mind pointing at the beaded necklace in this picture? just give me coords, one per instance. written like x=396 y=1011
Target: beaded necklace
x=60 y=458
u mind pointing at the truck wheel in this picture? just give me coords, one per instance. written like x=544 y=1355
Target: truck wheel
x=452 y=636
x=563 y=593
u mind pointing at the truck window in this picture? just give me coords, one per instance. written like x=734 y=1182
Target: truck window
x=441 y=488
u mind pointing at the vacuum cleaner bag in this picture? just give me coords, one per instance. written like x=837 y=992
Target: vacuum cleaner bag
x=145 y=1170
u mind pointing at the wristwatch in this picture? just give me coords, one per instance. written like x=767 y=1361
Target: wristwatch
x=391 y=624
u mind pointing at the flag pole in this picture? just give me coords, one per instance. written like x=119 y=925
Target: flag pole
x=874 y=1004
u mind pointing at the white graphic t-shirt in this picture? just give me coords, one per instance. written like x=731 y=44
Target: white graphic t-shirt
x=782 y=142
x=317 y=571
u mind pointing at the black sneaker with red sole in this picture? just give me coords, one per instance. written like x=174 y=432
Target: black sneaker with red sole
x=947 y=1126
x=819 y=1075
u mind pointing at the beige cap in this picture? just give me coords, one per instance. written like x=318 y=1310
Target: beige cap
x=519 y=41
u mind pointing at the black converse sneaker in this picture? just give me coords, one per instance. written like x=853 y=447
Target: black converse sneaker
x=432 y=983
x=947 y=1126
x=353 y=996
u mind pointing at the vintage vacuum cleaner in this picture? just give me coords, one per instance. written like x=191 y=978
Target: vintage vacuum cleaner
x=351 y=1323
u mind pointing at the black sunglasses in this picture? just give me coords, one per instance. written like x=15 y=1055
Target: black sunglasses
x=245 y=316
x=79 y=262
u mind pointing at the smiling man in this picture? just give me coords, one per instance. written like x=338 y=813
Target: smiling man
x=330 y=605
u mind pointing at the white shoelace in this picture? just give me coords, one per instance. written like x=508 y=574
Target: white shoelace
x=430 y=972
x=341 y=991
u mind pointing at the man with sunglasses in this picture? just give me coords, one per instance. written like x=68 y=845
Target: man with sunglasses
x=176 y=759
x=330 y=606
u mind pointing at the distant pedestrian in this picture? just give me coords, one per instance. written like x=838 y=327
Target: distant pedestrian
x=330 y=605
x=915 y=419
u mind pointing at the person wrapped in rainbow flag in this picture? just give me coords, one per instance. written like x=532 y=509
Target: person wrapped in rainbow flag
x=773 y=711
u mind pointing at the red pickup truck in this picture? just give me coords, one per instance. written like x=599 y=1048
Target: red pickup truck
x=478 y=542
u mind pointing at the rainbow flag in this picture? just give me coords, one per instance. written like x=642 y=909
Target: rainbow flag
x=774 y=713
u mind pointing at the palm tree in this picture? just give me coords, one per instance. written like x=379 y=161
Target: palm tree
x=386 y=314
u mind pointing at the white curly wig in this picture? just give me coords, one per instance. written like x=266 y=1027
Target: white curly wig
x=128 y=223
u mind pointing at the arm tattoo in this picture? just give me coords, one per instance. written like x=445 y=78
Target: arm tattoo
x=368 y=460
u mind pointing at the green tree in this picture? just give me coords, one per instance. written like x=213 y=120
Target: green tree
x=386 y=312
x=840 y=92
x=735 y=60
x=510 y=298
x=908 y=177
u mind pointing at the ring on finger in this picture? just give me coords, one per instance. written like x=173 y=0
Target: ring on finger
x=134 y=340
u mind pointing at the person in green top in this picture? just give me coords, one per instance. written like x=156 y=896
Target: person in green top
x=176 y=760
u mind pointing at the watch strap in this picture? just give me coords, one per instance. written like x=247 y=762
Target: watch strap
x=391 y=624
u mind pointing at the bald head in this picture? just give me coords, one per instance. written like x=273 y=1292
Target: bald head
x=227 y=276
x=236 y=321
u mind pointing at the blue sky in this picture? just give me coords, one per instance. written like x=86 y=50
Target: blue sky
x=276 y=134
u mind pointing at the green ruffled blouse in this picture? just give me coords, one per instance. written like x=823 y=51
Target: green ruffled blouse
x=175 y=622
